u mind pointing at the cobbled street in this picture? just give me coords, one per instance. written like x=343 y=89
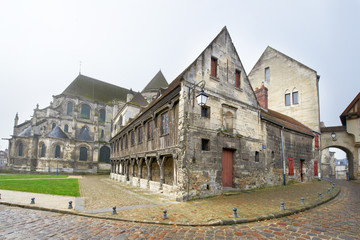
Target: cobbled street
x=337 y=219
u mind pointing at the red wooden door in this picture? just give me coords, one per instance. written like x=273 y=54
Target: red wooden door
x=315 y=168
x=227 y=167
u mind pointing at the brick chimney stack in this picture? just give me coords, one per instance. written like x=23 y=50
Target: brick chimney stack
x=262 y=96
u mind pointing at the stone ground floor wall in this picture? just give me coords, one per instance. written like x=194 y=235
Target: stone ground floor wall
x=53 y=165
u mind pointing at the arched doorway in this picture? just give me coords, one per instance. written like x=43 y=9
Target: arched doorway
x=330 y=166
x=104 y=154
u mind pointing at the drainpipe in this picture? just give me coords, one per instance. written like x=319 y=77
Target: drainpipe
x=283 y=154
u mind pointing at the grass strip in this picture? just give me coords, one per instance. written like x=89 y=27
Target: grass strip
x=25 y=176
x=64 y=187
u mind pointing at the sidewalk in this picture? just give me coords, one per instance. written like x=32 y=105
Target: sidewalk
x=99 y=194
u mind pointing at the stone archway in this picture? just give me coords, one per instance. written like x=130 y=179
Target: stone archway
x=337 y=137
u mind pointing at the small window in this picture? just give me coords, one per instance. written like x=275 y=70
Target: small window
x=83 y=154
x=69 y=109
x=287 y=99
x=267 y=74
x=85 y=111
x=214 y=65
x=291 y=166
x=237 y=78
x=20 y=152
x=295 y=97
x=53 y=125
x=140 y=135
x=57 y=151
x=165 y=123
x=66 y=128
x=121 y=144
x=43 y=150
x=205 y=146
x=126 y=141
x=257 y=157
x=121 y=120
x=102 y=133
x=132 y=138
x=150 y=130
x=102 y=115
x=205 y=111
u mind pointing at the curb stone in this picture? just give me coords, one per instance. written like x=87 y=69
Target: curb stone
x=287 y=212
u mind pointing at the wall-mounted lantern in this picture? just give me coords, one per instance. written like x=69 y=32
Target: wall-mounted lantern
x=333 y=135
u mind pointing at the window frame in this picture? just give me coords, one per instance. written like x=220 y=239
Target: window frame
x=287 y=97
x=257 y=156
x=102 y=112
x=140 y=134
x=43 y=150
x=165 y=123
x=132 y=138
x=237 y=78
x=69 y=113
x=205 y=111
x=57 y=153
x=66 y=128
x=150 y=130
x=20 y=149
x=81 y=153
x=213 y=67
x=293 y=97
x=205 y=144
x=267 y=74
x=82 y=111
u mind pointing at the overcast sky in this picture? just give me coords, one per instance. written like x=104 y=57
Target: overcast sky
x=127 y=42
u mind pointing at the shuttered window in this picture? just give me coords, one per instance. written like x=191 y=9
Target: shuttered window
x=214 y=64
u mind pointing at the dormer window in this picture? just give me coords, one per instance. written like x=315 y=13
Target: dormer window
x=214 y=65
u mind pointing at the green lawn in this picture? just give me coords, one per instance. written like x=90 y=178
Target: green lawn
x=25 y=176
x=65 y=187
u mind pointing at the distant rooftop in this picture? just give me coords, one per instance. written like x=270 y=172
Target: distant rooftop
x=95 y=90
x=157 y=82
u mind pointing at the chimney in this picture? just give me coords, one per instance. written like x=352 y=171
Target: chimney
x=262 y=96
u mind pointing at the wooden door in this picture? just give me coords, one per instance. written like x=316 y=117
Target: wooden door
x=301 y=169
x=227 y=168
x=316 y=168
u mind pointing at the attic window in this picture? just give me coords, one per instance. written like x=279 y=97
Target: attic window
x=214 y=65
x=267 y=74
x=237 y=78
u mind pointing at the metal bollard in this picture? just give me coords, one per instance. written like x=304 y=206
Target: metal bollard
x=320 y=196
x=70 y=205
x=32 y=201
x=302 y=200
x=235 y=213
x=333 y=186
x=329 y=191
x=282 y=206
x=114 y=211
x=164 y=214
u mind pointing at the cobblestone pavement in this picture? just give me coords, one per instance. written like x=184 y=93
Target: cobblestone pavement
x=337 y=219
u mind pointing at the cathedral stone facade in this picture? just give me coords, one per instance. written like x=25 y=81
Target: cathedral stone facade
x=233 y=141
x=72 y=134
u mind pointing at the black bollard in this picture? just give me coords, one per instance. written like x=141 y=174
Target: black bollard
x=32 y=201
x=302 y=200
x=114 y=211
x=235 y=213
x=70 y=205
x=329 y=191
x=320 y=196
x=333 y=186
x=282 y=206
x=164 y=214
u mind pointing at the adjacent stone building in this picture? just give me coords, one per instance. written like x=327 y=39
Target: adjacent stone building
x=186 y=150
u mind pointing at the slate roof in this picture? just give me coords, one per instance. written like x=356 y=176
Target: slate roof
x=85 y=135
x=57 y=133
x=26 y=132
x=95 y=90
x=157 y=82
x=285 y=121
x=139 y=100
